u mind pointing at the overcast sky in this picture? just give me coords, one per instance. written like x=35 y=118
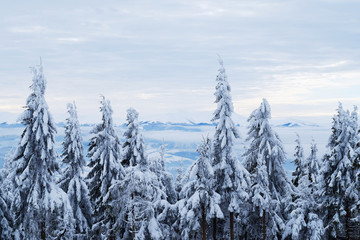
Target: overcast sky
x=160 y=57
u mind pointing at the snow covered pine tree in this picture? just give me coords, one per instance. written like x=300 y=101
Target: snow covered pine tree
x=270 y=189
x=340 y=176
x=299 y=159
x=355 y=187
x=137 y=194
x=199 y=203
x=179 y=177
x=41 y=209
x=231 y=178
x=133 y=146
x=165 y=211
x=304 y=218
x=72 y=181
x=157 y=165
x=104 y=153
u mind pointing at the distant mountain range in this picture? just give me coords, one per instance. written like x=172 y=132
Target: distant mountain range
x=182 y=126
x=297 y=124
x=180 y=138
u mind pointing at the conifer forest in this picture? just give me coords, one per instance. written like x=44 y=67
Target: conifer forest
x=113 y=190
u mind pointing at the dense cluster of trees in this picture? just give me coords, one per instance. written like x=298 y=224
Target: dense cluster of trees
x=126 y=195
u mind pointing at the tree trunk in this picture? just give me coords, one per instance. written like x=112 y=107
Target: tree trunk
x=112 y=235
x=347 y=221
x=203 y=215
x=232 y=225
x=133 y=217
x=43 y=231
x=214 y=228
x=264 y=225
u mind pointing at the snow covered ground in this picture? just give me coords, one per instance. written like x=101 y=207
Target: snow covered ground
x=181 y=139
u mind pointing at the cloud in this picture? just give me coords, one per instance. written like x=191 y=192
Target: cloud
x=161 y=56
x=70 y=39
x=28 y=29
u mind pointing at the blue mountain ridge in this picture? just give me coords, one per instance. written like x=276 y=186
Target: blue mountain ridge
x=187 y=152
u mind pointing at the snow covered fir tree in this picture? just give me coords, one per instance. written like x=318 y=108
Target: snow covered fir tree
x=40 y=208
x=199 y=202
x=299 y=155
x=304 y=221
x=72 y=181
x=134 y=146
x=137 y=194
x=118 y=190
x=340 y=176
x=231 y=179
x=270 y=190
x=104 y=153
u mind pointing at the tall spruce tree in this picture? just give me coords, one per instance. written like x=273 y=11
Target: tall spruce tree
x=166 y=178
x=72 y=181
x=165 y=212
x=339 y=176
x=314 y=165
x=179 y=177
x=104 y=153
x=40 y=207
x=231 y=178
x=299 y=155
x=133 y=140
x=270 y=189
x=157 y=165
x=139 y=192
x=355 y=188
x=353 y=191
x=200 y=203
x=304 y=219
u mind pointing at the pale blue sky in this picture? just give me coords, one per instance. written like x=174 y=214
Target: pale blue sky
x=160 y=57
